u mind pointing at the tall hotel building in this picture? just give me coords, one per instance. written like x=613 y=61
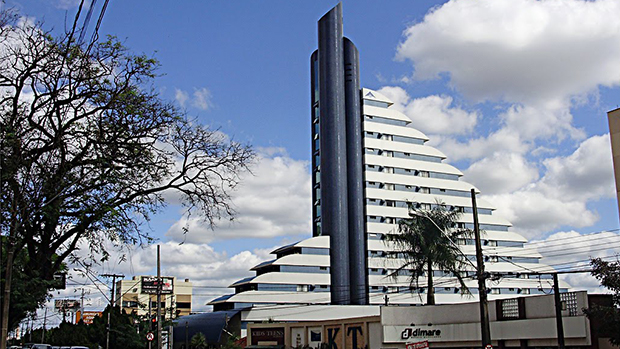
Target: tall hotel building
x=368 y=163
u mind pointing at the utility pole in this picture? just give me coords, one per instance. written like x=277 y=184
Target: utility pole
x=558 y=311
x=44 y=323
x=82 y=304
x=107 y=330
x=150 y=319
x=482 y=290
x=158 y=299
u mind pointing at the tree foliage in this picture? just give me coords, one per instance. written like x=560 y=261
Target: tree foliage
x=126 y=331
x=28 y=292
x=608 y=317
x=89 y=151
x=427 y=242
x=198 y=341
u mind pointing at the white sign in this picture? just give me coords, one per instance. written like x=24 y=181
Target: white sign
x=150 y=336
x=435 y=333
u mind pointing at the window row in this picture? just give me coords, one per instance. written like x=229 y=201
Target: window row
x=395 y=138
x=395 y=220
x=424 y=206
x=416 y=189
x=409 y=172
x=375 y=103
x=399 y=289
x=402 y=155
x=385 y=121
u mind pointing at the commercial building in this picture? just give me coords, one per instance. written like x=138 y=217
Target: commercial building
x=526 y=322
x=369 y=163
x=139 y=295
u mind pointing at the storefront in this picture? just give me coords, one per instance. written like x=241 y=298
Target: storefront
x=525 y=322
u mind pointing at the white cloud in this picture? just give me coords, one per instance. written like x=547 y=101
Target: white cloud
x=210 y=271
x=534 y=122
x=432 y=114
x=502 y=140
x=533 y=213
x=69 y=4
x=585 y=174
x=181 y=97
x=518 y=50
x=274 y=201
x=202 y=99
x=571 y=250
x=561 y=196
x=502 y=172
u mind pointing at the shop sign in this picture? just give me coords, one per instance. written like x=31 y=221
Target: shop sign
x=149 y=285
x=354 y=338
x=87 y=317
x=66 y=305
x=418 y=332
x=268 y=336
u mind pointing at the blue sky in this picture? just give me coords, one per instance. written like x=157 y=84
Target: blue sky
x=515 y=92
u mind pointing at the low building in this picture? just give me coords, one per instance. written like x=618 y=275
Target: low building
x=139 y=295
x=515 y=323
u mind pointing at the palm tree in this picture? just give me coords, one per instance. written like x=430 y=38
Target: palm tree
x=427 y=241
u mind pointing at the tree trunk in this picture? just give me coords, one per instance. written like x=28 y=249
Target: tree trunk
x=430 y=295
x=7 y=297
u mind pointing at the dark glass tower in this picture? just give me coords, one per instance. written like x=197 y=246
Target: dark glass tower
x=337 y=161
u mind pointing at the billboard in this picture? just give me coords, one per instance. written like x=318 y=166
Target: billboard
x=87 y=317
x=149 y=285
x=66 y=305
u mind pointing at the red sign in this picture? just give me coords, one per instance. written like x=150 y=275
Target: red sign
x=87 y=317
x=150 y=336
x=418 y=345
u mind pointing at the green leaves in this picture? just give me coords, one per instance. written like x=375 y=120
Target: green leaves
x=427 y=242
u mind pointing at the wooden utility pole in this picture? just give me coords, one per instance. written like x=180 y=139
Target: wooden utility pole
x=107 y=334
x=482 y=289
x=158 y=299
x=558 y=311
x=44 y=323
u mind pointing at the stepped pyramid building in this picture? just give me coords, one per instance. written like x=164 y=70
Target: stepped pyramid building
x=368 y=163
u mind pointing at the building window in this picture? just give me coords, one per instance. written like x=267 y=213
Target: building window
x=184 y=305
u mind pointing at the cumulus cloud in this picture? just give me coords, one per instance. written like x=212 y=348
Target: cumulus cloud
x=432 y=114
x=518 y=50
x=585 y=174
x=502 y=140
x=200 y=99
x=530 y=61
x=275 y=200
x=561 y=195
x=501 y=173
x=572 y=251
x=210 y=271
x=534 y=122
x=181 y=97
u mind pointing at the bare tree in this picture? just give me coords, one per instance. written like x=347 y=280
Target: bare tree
x=88 y=149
